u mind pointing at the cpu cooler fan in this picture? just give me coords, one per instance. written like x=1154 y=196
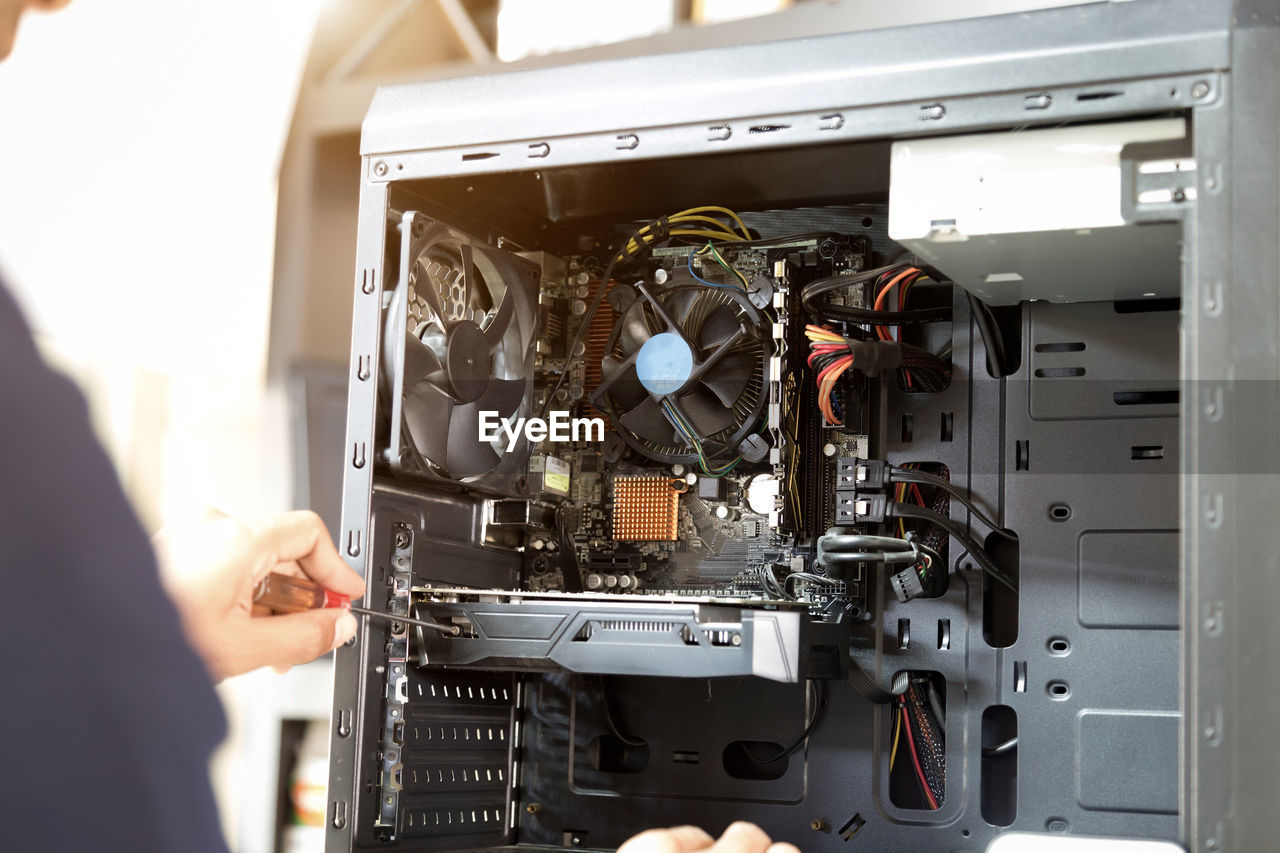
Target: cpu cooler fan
x=460 y=338
x=684 y=371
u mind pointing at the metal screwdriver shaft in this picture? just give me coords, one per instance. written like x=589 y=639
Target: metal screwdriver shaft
x=282 y=593
x=452 y=630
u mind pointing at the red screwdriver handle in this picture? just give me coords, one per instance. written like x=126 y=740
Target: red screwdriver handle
x=282 y=593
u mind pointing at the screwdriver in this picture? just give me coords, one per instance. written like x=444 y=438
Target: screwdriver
x=282 y=593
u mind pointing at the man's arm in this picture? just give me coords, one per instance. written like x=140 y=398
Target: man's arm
x=108 y=718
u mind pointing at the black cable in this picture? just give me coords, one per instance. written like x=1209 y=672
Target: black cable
x=935 y=704
x=867 y=685
x=602 y=690
x=992 y=340
x=569 y=568
x=923 y=478
x=814 y=289
x=959 y=531
x=929 y=737
x=819 y=699
x=1001 y=748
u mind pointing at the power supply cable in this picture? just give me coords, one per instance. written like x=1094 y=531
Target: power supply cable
x=819 y=699
x=960 y=532
x=903 y=475
x=992 y=340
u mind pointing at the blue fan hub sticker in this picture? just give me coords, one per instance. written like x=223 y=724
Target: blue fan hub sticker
x=664 y=363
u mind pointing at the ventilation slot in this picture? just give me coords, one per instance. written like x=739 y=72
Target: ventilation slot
x=1146 y=451
x=851 y=827
x=1022 y=455
x=908 y=423
x=999 y=790
x=1068 y=346
x=1163 y=397
x=1058 y=372
x=1000 y=604
x=948 y=426
x=610 y=754
x=925 y=706
x=479 y=155
x=1094 y=96
x=768 y=128
x=754 y=759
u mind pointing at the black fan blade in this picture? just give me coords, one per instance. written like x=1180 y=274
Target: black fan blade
x=706 y=413
x=718 y=328
x=623 y=383
x=468 y=279
x=419 y=360
x=635 y=328
x=467 y=455
x=426 y=411
x=498 y=324
x=679 y=303
x=731 y=375
x=426 y=283
x=648 y=422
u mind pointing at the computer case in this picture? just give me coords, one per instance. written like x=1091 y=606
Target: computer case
x=1129 y=448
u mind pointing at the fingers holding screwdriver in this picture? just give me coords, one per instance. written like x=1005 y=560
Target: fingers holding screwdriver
x=211 y=568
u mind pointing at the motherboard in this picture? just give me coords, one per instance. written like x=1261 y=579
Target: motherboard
x=725 y=492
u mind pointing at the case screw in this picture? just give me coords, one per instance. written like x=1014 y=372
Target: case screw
x=533 y=808
x=819 y=825
x=380 y=168
x=402 y=539
x=1199 y=89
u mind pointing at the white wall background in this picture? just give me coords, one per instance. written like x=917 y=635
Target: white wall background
x=139 y=146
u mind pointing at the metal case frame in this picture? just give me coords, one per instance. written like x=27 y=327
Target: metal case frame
x=1216 y=60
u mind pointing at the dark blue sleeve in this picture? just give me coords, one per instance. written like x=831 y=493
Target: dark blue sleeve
x=107 y=716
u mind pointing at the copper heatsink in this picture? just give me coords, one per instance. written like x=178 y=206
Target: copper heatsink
x=645 y=508
x=596 y=338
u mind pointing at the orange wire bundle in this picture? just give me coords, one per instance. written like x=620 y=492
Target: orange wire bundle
x=824 y=356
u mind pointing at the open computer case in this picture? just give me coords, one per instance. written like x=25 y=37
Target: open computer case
x=917 y=455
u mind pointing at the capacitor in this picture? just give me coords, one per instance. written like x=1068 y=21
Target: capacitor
x=593 y=581
x=828 y=449
x=625 y=582
x=724 y=513
x=660 y=277
x=537 y=544
x=582 y=278
x=691 y=478
x=610 y=581
x=578 y=307
x=678 y=469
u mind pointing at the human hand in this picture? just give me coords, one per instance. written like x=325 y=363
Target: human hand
x=740 y=837
x=210 y=569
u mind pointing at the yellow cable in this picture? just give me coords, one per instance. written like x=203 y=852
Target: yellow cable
x=897 y=730
x=746 y=234
x=710 y=219
x=678 y=232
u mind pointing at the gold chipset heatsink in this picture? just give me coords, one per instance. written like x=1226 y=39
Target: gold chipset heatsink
x=644 y=508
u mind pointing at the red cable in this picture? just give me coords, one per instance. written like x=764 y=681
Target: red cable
x=915 y=758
